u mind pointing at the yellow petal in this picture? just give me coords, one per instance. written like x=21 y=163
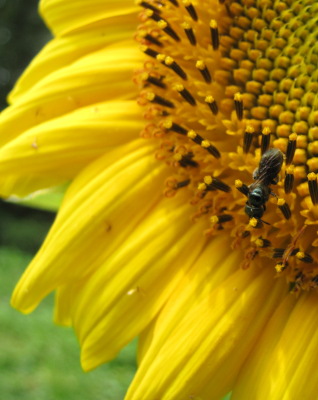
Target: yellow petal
x=139 y=275
x=98 y=214
x=60 y=52
x=205 y=350
x=65 y=16
x=100 y=76
x=283 y=365
x=58 y=149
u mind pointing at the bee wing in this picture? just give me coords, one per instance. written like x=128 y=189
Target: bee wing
x=269 y=166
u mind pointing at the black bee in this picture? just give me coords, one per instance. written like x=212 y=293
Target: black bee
x=266 y=175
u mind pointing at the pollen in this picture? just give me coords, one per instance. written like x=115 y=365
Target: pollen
x=222 y=85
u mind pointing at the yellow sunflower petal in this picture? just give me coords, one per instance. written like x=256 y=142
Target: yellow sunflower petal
x=283 y=364
x=61 y=147
x=100 y=215
x=100 y=76
x=137 y=276
x=209 y=344
x=65 y=16
x=60 y=52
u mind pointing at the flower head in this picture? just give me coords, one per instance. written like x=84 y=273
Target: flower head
x=200 y=237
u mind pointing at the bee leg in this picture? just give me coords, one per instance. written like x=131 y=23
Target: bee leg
x=273 y=194
x=255 y=174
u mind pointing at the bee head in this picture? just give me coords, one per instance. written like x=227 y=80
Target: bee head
x=254 y=212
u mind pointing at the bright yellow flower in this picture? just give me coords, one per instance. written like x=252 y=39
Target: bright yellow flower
x=168 y=237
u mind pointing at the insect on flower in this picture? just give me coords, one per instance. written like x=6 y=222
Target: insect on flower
x=266 y=175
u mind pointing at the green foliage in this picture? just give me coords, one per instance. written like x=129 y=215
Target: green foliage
x=38 y=359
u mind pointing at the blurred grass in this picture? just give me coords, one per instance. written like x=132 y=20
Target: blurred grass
x=39 y=360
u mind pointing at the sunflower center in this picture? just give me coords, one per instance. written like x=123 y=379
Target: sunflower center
x=230 y=91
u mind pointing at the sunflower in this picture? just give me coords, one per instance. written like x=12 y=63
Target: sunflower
x=200 y=236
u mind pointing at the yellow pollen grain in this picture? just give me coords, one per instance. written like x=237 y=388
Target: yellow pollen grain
x=266 y=131
x=214 y=220
x=293 y=136
x=202 y=186
x=213 y=24
x=150 y=96
x=178 y=87
x=280 y=202
x=161 y=57
x=312 y=176
x=149 y=12
x=200 y=65
x=205 y=144
x=253 y=222
x=144 y=76
x=162 y=24
x=259 y=242
x=300 y=255
x=167 y=124
x=279 y=267
x=238 y=183
x=186 y=25
x=192 y=134
x=238 y=96
x=169 y=60
x=209 y=99
x=177 y=157
x=249 y=129
x=208 y=179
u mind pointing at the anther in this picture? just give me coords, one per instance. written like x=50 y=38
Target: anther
x=200 y=65
x=207 y=145
x=153 y=80
x=248 y=137
x=190 y=34
x=284 y=208
x=262 y=243
x=278 y=253
x=291 y=148
x=153 y=40
x=185 y=94
x=266 y=138
x=214 y=183
x=168 y=30
x=289 y=179
x=147 y=5
x=204 y=143
x=214 y=34
x=154 y=98
x=220 y=219
x=153 y=15
x=212 y=104
x=150 y=52
x=182 y=184
x=174 y=2
x=305 y=257
x=169 y=62
x=172 y=126
x=238 y=102
x=241 y=187
x=186 y=160
x=191 y=10
x=313 y=187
